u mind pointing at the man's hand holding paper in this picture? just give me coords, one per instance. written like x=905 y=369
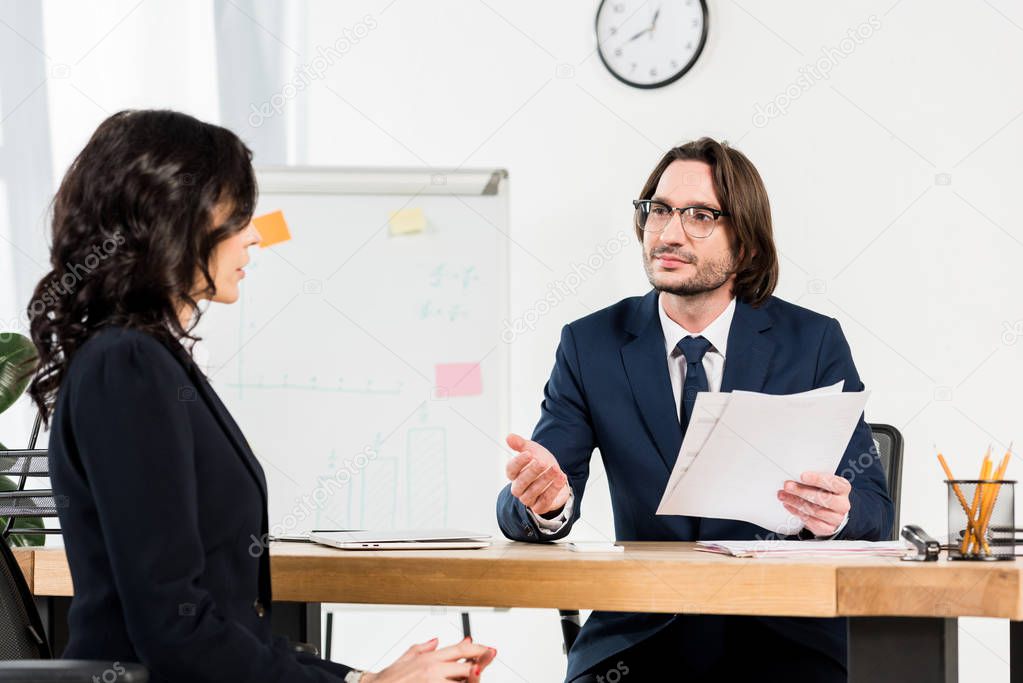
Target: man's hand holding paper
x=768 y=459
x=820 y=499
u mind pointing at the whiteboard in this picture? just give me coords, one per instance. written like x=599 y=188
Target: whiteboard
x=330 y=359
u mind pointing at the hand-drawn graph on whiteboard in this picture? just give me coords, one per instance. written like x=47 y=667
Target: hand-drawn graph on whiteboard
x=364 y=359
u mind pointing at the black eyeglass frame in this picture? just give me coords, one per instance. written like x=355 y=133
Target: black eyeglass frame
x=717 y=213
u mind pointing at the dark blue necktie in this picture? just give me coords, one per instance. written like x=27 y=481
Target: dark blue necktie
x=696 y=378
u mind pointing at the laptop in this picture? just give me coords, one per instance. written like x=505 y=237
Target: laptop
x=418 y=539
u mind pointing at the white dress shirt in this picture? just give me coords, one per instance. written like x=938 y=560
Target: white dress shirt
x=713 y=365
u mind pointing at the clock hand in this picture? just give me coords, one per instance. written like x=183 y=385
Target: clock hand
x=646 y=30
x=649 y=29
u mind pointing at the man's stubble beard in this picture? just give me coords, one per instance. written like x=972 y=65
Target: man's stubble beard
x=709 y=276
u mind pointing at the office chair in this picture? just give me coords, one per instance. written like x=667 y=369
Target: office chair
x=25 y=654
x=888 y=442
x=24 y=651
x=888 y=447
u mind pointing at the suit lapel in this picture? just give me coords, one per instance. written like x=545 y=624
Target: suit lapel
x=646 y=365
x=749 y=351
x=230 y=427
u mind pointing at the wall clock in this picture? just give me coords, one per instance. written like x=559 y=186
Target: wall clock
x=650 y=43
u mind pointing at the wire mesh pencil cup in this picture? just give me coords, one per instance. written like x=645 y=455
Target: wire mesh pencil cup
x=981 y=519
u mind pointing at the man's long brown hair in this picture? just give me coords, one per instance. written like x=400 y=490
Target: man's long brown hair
x=743 y=197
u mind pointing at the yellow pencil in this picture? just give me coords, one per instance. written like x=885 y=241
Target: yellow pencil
x=974 y=513
x=988 y=502
x=958 y=492
x=987 y=467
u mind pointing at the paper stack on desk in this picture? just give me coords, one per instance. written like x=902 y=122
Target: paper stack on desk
x=742 y=446
x=805 y=549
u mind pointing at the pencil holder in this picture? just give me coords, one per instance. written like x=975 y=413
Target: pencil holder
x=980 y=511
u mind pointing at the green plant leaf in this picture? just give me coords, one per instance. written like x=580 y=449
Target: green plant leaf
x=18 y=360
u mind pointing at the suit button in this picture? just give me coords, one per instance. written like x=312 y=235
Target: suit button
x=260 y=610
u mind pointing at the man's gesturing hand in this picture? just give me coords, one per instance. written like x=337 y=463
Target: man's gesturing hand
x=536 y=478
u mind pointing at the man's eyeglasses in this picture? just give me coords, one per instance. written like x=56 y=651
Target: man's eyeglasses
x=698 y=221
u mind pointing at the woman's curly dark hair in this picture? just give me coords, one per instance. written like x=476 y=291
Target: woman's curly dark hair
x=133 y=233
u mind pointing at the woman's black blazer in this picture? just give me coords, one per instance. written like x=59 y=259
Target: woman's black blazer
x=162 y=503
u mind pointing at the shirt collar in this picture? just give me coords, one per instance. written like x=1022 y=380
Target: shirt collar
x=716 y=333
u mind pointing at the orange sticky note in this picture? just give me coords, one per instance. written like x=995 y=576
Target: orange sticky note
x=272 y=228
x=458 y=379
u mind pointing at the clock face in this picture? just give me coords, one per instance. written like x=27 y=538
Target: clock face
x=650 y=43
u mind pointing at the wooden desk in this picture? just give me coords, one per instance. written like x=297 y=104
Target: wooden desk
x=904 y=613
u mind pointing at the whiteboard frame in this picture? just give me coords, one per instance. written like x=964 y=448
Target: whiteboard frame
x=387 y=181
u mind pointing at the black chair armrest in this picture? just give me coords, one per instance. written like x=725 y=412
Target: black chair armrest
x=571 y=625
x=307 y=648
x=71 y=671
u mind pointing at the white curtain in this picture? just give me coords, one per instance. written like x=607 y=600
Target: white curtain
x=67 y=65
x=25 y=179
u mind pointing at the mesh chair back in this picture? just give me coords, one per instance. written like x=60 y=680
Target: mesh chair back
x=888 y=442
x=21 y=630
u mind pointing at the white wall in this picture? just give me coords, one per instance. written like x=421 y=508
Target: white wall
x=893 y=183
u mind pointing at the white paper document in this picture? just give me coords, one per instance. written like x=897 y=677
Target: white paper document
x=706 y=413
x=805 y=549
x=742 y=446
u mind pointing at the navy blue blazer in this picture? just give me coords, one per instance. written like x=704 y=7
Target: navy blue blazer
x=610 y=389
x=164 y=499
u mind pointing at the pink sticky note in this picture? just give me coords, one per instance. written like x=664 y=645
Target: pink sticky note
x=458 y=379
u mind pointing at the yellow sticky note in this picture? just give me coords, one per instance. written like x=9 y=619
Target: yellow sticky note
x=272 y=228
x=407 y=221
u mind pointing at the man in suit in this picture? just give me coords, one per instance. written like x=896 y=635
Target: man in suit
x=625 y=381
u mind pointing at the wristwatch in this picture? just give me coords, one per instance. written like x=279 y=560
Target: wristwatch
x=353 y=676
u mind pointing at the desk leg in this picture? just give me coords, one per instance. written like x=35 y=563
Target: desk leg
x=883 y=649
x=298 y=622
x=1016 y=652
x=53 y=613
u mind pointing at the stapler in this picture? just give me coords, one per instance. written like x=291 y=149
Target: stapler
x=927 y=549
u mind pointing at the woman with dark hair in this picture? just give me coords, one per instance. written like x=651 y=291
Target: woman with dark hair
x=163 y=492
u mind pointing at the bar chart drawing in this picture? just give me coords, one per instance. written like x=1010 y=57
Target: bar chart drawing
x=426 y=483
x=334 y=505
x=379 y=493
x=334 y=500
